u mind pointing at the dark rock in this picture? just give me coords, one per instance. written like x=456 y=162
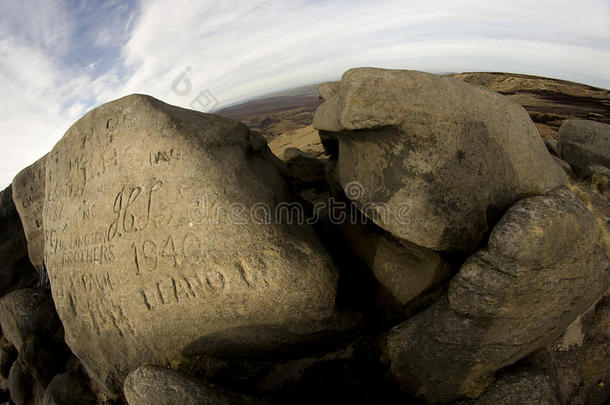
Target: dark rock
x=520 y=387
x=43 y=357
x=8 y=355
x=303 y=167
x=20 y=384
x=69 y=388
x=27 y=312
x=16 y=271
x=551 y=146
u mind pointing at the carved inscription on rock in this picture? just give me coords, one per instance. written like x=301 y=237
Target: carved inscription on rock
x=132 y=273
x=28 y=194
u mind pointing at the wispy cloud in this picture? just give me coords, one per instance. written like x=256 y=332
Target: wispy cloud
x=60 y=58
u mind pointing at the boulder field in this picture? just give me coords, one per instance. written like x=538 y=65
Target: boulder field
x=419 y=244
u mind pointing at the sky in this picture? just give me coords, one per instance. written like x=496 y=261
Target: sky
x=61 y=58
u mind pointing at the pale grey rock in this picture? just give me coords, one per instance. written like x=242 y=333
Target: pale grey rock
x=544 y=265
x=449 y=152
x=157 y=248
x=584 y=143
x=150 y=385
x=28 y=195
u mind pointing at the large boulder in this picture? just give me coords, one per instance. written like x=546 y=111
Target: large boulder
x=544 y=265
x=584 y=143
x=16 y=270
x=25 y=313
x=449 y=154
x=149 y=385
x=28 y=195
x=167 y=244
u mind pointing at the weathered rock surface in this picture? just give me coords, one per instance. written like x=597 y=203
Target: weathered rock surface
x=450 y=152
x=584 y=143
x=151 y=249
x=28 y=195
x=544 y=265
x=520 y=387
x=580 y=359
x=15 y=268
x=25 y=313
x=150 y=385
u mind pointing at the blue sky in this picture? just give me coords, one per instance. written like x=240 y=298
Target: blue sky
x=60 y=58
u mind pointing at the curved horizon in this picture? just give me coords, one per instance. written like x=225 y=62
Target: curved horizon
x=61 y=58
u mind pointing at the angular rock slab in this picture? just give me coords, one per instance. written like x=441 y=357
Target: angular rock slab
x=436 y=158
x=28 y=195
x=149 y=385
x=151 y=248
x=543 y=267
x=584 y=143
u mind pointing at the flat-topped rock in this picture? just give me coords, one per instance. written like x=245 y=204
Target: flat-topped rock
x=452 y=154
x=163 y=241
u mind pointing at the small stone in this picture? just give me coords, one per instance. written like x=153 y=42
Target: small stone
x=150 y=385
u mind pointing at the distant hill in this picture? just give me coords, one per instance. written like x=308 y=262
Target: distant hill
x=277 y=113
x=548 y=101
